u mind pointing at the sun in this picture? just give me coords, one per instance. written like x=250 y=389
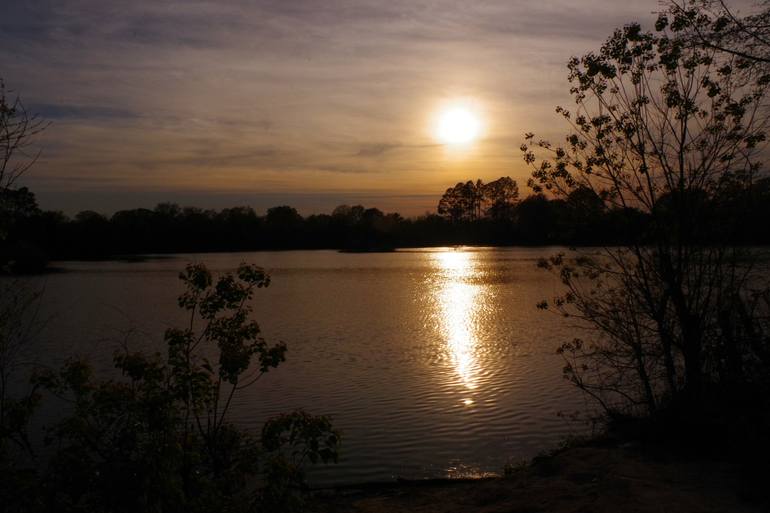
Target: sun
x=457 y=125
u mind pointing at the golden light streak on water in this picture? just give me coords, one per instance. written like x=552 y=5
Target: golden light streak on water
x=461 y=303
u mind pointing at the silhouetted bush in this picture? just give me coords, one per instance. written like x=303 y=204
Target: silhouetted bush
x=158 y=438
x=676 y=319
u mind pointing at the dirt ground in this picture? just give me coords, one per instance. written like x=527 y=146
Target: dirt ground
x=596 y=478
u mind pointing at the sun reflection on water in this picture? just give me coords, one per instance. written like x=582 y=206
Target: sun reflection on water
x=461 y=303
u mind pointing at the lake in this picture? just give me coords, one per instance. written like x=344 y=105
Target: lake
x=432 y=362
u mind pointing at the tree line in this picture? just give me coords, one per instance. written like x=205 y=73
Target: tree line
x=471 y=212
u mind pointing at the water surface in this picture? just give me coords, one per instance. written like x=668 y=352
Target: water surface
x=433 y=362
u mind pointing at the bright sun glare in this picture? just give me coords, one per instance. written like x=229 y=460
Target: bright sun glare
x=457 y=125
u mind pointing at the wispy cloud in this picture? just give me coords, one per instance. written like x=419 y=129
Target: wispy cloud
x=80 y=112
x=376 y=149
x=286 y=97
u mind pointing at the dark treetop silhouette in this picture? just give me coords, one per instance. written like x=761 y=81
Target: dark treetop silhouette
x=468 y=213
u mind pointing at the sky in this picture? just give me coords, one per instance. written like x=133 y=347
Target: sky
x=310 y=103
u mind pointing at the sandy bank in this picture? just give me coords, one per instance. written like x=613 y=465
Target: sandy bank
x=596 y=478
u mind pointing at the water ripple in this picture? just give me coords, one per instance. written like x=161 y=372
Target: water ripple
x=432 y=362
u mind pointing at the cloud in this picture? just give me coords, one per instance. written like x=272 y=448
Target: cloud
x=307 y=96
x=79 y=112
x=376 y=149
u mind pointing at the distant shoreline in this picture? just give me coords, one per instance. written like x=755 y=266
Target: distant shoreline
x=161 y=255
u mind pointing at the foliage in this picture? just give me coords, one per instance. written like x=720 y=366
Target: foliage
x=18 y=304
x=17 y=320
x=17 y=324
x=159 y=438
x=293 y=440
x=18 y=131
x=17 y=254
x=577 y=218
x=713 y=24
x=470 y=201
x=674 y=130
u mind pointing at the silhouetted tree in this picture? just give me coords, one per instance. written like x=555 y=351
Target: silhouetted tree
x=348 y=215
x=18 y=208
x=159 y=438
x=584 y=216
x=669 y=128
x=539 y=221
x=462 y=202
x=713 y=24
x=500 y=197
x=90 y=232
x=134 y=231
x=283 y=225
x=240 y=227
x=469 y=201
x=580 y=217
x=20 y=249
x=199 y=230
x=18 y=130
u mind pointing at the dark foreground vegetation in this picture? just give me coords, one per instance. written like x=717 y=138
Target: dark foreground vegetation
x=157 y=436
x=672 y=333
